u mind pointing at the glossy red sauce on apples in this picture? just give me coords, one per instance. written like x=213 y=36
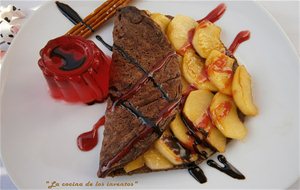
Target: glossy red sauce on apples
x=203 y=76
x=189 y=144
x=240 y=38
x=88 y=140
x=219 y=66
x=223 y=110
x=205 y=121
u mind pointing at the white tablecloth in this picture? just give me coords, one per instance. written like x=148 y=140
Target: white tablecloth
x=285 y=12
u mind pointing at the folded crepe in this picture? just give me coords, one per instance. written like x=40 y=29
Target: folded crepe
x=145 y=93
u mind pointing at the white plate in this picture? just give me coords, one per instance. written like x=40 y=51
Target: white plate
x=38 y=134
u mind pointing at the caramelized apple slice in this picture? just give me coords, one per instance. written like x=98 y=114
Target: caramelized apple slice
x=219 y=71
x=185 y=85
x=171 y=149
x=161 y=20
x=135 y=164
x=225 y=117
x=216 y=139
x=196 y=110
x=196 y=106
x=181 y=132
x=155 y=161
x=207 y=38
x=193 y=70
x=164 y=145
x=242 y=91
x=178 y=30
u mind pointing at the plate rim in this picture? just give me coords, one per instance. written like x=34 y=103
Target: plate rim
x=5 y=65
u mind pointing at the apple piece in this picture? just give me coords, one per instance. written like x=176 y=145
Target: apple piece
x=193 y=70
x=164 y=146
x=207 y=38
x=161 y=20
x=216 y=139
x=196 y=111
x=224 y=115
x=185 y=85
x=171 y=149
x=178 y=30
x=181 y=132
x=242 y=91
x=196 y=106
x=219 y=71
x=155 y=161
x=135 y=164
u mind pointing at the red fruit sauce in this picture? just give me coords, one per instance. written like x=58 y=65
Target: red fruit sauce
x=88 y=140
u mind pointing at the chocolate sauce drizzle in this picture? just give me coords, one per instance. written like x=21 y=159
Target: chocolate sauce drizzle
x=138 y=65
x=197 y=173
x=100 y=39
x=176 y=147
x=185 y=154
x=145 y=121
x=227 y=169
x=74 y=17
x=71 y=14
x=70 y=63
x=144 y=79
x=197 y=141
